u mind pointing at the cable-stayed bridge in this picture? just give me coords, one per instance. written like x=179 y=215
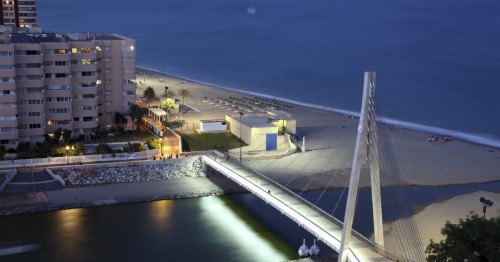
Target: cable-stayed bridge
x=338 y=235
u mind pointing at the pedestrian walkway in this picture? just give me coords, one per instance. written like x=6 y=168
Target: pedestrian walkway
x=313 y=219
x=31 y=180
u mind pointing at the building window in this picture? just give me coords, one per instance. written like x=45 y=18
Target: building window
x=129 y=71
x=61 y=75
x=128 y=48
x=61 y=63
x=58 y=110
x=128 y=59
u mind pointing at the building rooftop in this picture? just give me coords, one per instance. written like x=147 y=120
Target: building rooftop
x=29 y=38
x=158 y=111
x=212 y=121
x=256 y=121
x=108 y=37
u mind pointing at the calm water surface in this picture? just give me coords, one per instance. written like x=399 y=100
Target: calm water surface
x=436 y=60
x=239 y=227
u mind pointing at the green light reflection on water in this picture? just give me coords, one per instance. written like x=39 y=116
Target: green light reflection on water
x=239 y=232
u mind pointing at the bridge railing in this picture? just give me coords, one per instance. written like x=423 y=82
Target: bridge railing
x=264 y=194
x=388 y=253
x=382 y=250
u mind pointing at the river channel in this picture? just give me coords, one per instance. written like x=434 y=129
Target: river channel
x=237 y=227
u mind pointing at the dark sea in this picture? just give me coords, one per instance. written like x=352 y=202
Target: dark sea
x=437 y=61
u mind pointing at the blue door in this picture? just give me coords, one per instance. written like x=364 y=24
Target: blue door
x=271 y=141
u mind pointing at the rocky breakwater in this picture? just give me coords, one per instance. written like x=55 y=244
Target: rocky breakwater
x=131 y=172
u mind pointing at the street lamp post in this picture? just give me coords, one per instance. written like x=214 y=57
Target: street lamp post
x=161 y=146
x=241 y=125
x=67 y=149
x=486 y=203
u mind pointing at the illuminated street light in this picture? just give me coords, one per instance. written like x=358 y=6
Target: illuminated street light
x=67 y=149
x=161 y=145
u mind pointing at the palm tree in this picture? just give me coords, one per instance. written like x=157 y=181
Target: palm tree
x=169 y=93
x=120 y=119
x=136 y=113
x=149 y=94
x=183 y=93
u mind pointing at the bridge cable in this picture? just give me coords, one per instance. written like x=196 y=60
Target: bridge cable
x=341 y=149
x=347 y=144
x=388 y=163
x=404 y=239
x=316 y=155
x=406 y=224
x=394 y=211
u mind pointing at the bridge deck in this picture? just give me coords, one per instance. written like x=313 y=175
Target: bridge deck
x=326 y=228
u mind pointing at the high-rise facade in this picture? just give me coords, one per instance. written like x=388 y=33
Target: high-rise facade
x=18 y=13
x=50 y=81
x=116 y=76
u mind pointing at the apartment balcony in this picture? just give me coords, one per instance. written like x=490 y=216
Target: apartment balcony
x=85 y=101
x=84 y=79
x=53 y=128
x=24 y=59
x=63 y=116
x=58 y=81
x=80 y=56
x=87 y=67
x=9 y=135
x=30 y=71
x=5 y=111
x=7 y=123
x=34 y=108
x=6 y=60
x=31 y=119
x=28 y=83
x=85 y=124
x=32 y=132
x=58 y=69
x=85 y=113
x=52 y=93
x=7 y=73
x=23 y=96
x=58 y=104
x=8 y=85
x=7 y=99
x=57 y=57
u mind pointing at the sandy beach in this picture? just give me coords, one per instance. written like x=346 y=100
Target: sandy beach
x=330 y=140
x=432 y=218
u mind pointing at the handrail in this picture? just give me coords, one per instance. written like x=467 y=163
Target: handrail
x=380 y=249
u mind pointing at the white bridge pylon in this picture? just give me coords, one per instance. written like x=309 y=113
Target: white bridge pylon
x=366 y=150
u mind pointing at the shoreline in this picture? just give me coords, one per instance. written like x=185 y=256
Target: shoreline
x=44 y=207
x=458 y=135
x=432 y=218
x=330 y=143
x=228 y=188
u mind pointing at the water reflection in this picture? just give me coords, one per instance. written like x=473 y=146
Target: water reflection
x=160 y=214
x=236 y=236
x=69 y=225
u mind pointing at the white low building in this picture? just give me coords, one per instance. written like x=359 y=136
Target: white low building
x=207 y=126
x=262 y=131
